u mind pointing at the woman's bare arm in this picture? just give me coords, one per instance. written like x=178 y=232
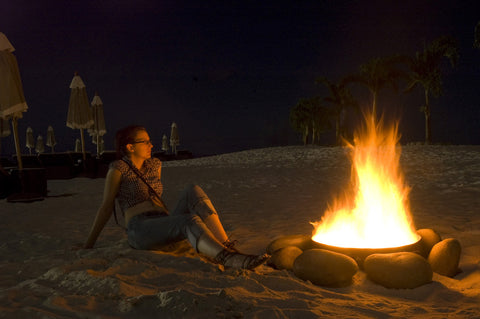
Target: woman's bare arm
x=112 y=184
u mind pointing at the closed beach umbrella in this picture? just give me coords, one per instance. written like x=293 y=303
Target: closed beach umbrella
x=12 y=99
x=98 y=129
x=78 y=146
x=40 y=146
x=30 y=141
x=164 y=143
x=174 y=139
x=51 y=142
x=79 y=114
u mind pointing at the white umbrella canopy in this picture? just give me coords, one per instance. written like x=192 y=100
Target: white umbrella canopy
x=51 y=142
x=40 y=146
x=30 y=141
x=174 y=139
x=12 y=99
x=98 y=116
x=98 y=128
x=79 y=114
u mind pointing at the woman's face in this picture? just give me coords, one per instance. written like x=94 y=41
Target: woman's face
x=142 y=146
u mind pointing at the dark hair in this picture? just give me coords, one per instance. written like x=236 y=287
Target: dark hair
x=126 y=136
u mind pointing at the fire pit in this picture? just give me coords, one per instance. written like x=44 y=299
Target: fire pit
x=373 y=216
x=359 y=254
x=371 y=223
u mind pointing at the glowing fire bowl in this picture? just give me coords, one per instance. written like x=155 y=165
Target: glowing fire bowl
x=359 y=254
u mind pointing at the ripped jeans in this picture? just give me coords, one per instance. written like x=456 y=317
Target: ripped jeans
x=152 y=230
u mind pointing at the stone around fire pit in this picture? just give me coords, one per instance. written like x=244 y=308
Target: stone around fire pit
x=398 y=270
x=301 y=241
x=325 y=268
x=359 y=254
x=445 y=256
x=283 y=258
x=429 y=239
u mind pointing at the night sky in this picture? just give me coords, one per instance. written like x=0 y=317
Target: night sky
x=228 y=72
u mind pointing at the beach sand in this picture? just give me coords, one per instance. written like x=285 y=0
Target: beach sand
x=260 y=195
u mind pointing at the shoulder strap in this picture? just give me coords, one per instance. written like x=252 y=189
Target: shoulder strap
x=135 y=170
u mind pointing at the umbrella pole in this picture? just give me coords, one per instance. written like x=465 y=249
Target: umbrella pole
x=17 y=143
x=98 y=145
x=1 y=132
x=83 y=148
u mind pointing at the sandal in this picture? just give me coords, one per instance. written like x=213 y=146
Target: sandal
x=235 y=259
x=230 y=245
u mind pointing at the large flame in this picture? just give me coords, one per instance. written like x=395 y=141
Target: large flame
x=375 y=211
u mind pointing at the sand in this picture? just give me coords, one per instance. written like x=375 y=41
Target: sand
x=260 y=195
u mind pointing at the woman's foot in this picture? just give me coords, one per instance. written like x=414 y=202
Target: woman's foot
x=230 y=245
x=234 y=259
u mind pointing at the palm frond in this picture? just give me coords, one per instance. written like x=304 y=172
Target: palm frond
x=476 y=43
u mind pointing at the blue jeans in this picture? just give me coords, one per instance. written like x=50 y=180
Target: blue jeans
x=152 y=230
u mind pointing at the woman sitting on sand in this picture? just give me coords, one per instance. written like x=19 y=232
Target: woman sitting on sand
x=135 y=180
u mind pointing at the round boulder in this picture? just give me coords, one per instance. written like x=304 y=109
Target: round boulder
x=301 y=241
x=445 y=256
x=429 y=239
x=398 y=270
x=325 y=268
x=283 y=258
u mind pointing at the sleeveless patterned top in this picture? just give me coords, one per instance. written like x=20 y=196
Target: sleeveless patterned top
x=132 y=189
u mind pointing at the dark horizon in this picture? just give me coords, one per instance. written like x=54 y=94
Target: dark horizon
x=228 y=74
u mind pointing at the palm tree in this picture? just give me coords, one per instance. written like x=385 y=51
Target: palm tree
x=379 y=73
x=308 y=115
x=320 y=118
x=340 y=98
x=299 y=119
x=476 y=42
x=425 y=71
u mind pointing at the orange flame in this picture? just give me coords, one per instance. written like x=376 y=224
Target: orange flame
x=377 y=215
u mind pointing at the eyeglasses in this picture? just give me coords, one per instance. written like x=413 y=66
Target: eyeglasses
x=145 y=142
